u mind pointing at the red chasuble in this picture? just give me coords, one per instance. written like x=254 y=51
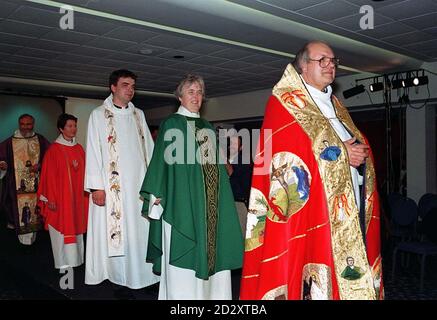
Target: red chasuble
x=62 y=182
x=305 y=239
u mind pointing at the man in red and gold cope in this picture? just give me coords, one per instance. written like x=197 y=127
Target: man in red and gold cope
x=313 y=217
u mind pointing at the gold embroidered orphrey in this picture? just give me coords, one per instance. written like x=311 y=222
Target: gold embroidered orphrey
x=26 y=154
x=211 y=179
x=114 y=201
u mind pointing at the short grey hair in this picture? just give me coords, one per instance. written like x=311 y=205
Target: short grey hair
x=189 y=80
x=302 y=56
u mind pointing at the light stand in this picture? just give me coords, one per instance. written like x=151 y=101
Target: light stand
x=388 y=110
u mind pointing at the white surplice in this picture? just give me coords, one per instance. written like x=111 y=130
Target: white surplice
x=129 y=269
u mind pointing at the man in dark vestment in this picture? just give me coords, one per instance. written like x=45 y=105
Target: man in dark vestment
x=20 y=162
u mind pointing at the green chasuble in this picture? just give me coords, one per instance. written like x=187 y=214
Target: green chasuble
x=197 y=200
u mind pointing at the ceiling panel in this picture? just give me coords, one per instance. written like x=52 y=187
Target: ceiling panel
x=22 y=28
x=409 y=8
x=131 y=34
x=377 y=4
x=7 y=8
x=168 y=41
x=422 y=22
x=91 y=51
x=410 y=38
x=37 y=53
x=283 y=4
x=259 y=58
x=26 y=60
x=329 y=10
x=44 y=17
x=69 y=36
x=110 y=44
x=387 y=30
x=6 y=48
x=235 y=65
x=95 y=26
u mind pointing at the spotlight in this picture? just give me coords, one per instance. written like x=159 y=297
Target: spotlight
x=398 y=83
x=415 y=81
x=422 y=81
x=376 y=86
x=409 y=82
x=353 y=91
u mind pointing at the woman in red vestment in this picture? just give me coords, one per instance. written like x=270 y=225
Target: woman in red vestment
x=63 y=201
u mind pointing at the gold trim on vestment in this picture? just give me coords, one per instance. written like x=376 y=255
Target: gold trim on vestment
x=211 y=182
x=277 y=292
x=250 y=277
x=294 y=238
x=275 y=257
x=346 y=235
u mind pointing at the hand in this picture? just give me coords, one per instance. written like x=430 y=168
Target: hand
x=157 y=201
x=3 y=165
x=357 y=153
x=98 y=197
x=52 y=206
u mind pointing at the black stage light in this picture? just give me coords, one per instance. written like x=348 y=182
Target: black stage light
x=376 y=86
x=415 y=81
x=409 y=82
x=398 y=83
x=422 y=80
x=353 y=91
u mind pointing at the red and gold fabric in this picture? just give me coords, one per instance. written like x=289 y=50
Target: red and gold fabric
x=62 y=183
x=26 y=153
x=303 y=218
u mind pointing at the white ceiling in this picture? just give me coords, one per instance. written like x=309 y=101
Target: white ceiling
x=236 y=45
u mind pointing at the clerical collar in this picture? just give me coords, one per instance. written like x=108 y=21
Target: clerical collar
x=61 y=140
x=118 y=107
x=324 y=95
x=185 y=112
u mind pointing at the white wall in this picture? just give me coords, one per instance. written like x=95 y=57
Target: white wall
x=243 y=105
x=81 y=108
x=156 y=115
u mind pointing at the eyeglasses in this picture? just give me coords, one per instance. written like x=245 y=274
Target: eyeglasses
x=324 y=61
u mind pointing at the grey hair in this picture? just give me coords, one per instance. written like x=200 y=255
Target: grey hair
x=188 y=80
x=302 y=56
